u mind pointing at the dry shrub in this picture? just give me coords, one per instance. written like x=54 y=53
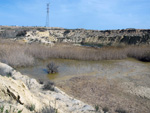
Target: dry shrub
x=48 y=86
x=52 y=68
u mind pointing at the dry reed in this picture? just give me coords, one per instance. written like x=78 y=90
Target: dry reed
x=20 y=54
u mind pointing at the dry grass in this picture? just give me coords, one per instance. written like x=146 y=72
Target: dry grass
x=20 y=54
x=105 y=94
x=139 y=52
x=14 y=54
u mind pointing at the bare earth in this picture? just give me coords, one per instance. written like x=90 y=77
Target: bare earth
x=123 y=88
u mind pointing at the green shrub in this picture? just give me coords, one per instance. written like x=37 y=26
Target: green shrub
x=3 y=110
x=96 y=108
x=31 y=107
x=9 y=74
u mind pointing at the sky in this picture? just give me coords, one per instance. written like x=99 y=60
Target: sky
x=72 y=14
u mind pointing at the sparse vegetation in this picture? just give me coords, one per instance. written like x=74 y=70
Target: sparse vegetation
x=40 y=81
x=48 y=109
x=120 y=110
x=105 y=109
x=96 y=108
x=48 y=86
x=19 y=54
x=9 y=74
x=31 y=107
x=3 y=109
x=66 y=32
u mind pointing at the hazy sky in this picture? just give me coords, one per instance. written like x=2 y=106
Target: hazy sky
x=88 y=14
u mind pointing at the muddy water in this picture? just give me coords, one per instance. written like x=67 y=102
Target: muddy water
x=126 y=69
x=66 y=68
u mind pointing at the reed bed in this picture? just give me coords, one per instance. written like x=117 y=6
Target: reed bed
x=19 y=54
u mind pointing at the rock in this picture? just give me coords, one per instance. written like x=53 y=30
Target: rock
x=40 y=37
x=21 y=91
x=16 y=93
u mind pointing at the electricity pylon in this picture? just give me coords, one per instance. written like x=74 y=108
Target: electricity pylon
x=47 y=16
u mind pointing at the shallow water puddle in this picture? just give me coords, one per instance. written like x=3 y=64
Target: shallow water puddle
x=66 y=68
x=73 y=68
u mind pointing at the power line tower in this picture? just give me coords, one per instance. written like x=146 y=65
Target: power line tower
x=47 y=16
